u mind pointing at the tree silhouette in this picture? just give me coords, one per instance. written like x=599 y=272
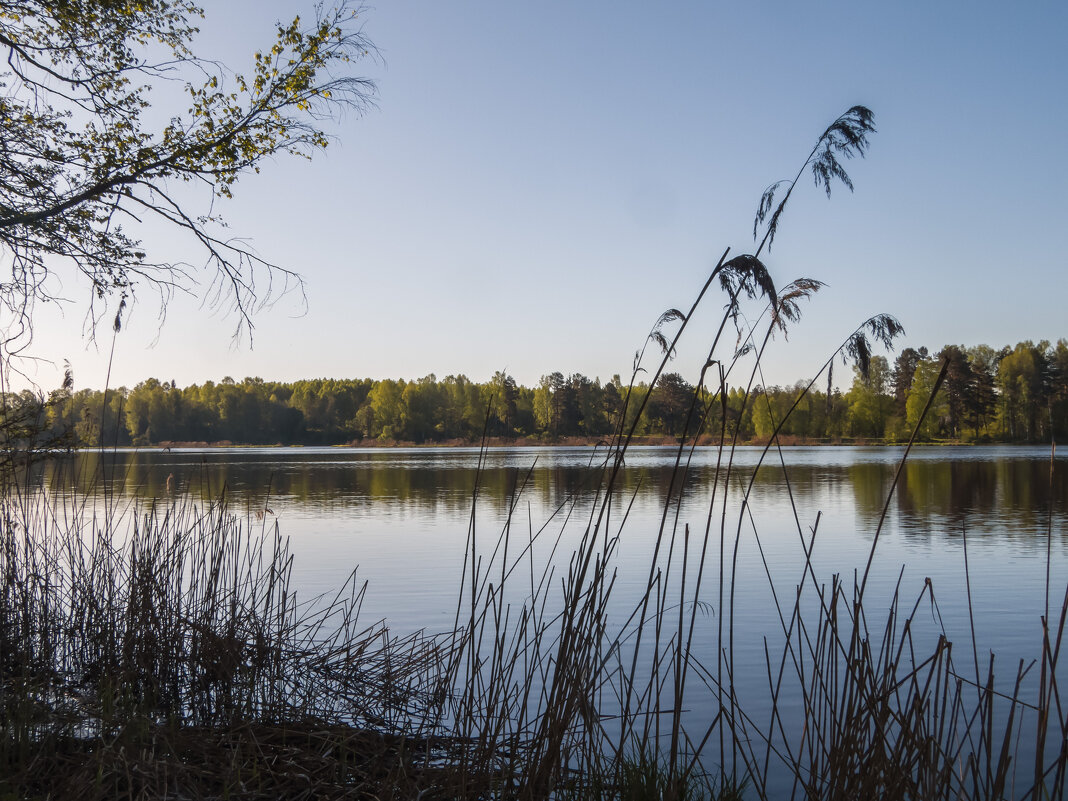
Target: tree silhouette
x=86 y=158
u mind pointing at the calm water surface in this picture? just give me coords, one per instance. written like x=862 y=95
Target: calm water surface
x=403 y=515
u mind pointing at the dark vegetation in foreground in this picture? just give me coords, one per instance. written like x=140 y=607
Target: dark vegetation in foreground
x=160 y=650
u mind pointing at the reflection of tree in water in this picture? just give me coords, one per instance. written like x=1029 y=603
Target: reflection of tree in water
x=936 y=498
x=871 y=482
x=1005 y=498
x=1008 y=498
x=807 y=482
x=323 y=482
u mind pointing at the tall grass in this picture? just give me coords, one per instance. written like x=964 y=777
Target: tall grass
x=162 y=651
x=863 y=701
x=146 y=630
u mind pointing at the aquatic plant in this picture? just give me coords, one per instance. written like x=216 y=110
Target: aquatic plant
x=559 y=697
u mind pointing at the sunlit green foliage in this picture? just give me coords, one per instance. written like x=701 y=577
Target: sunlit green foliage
x=1013 y=395
x=870 y=404
x=106 y=110
x=936 y=420
x=1022 y=384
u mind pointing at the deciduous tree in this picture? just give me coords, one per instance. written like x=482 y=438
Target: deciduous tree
x=107 y=110
x=923 y=384
x=869 y=403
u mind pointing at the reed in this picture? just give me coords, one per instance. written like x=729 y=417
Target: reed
x=566 y=700
x=138 y=639
x=161 y=650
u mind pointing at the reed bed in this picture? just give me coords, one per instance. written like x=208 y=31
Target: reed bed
x=162 y=652
x=131 y=644
x=568 y=698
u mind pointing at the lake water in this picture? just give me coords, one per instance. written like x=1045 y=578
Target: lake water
x=403 y=516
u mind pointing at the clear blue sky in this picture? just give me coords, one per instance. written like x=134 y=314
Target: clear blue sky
x=540 y=180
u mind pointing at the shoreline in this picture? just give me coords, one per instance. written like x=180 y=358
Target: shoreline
x=571 y=442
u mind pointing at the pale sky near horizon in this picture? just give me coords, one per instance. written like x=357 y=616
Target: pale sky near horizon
x=538 y=182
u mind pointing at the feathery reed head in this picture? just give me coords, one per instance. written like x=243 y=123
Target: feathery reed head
x=657 y=335
x=786 y=308
x=846 y=137
x=883 y=328
x=746 y=275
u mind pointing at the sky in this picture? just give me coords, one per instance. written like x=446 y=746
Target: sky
x=536 y=183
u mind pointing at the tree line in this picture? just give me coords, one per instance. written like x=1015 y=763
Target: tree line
x=1017 y=394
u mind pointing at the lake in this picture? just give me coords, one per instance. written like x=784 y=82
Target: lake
x=403 y=517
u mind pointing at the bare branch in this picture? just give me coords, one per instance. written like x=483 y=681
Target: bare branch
x=79 y=161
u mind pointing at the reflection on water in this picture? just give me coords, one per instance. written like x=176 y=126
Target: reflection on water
x=998 y=492
x=1009 y=497
x=402 y=514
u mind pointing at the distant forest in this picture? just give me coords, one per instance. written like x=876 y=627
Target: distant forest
x=1015 y=394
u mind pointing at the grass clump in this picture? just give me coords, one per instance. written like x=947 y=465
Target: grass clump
x=646 y=777
x=177 y=654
